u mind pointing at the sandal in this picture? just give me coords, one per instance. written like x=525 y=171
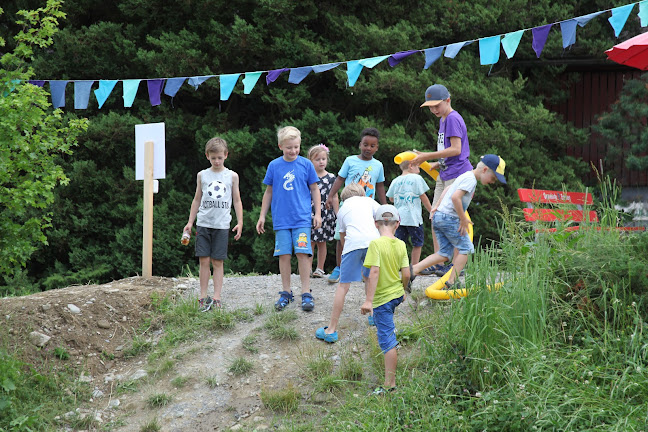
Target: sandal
x=217 y=304
x=451 y=287
x=318 y=273
x=307 y=302
x=381 y=391
x=286 y=297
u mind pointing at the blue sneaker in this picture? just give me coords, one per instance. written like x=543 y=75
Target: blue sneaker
x=286 y=297
x=334 y=277
x=371 y=321
x=442 y=270
x=430 y=270
x=322 y=335
x=307 y=302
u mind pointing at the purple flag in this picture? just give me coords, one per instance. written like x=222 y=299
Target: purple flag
x=155 y=91
x=540 y=38
x=394 y=59
x=37 y=83
x=274 y=74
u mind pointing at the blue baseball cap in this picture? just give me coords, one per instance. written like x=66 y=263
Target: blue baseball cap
x=435 y=94
x=497 y=164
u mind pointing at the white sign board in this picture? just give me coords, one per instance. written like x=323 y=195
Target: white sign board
x=150 y=132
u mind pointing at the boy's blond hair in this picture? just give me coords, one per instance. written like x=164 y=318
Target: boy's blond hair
x=405 y=165
x=481 y=165
x=288 y=133
x=354 y=189
x=216 y=145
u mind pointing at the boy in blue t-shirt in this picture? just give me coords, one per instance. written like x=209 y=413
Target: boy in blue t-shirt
x=364 y=170
x=291 y=185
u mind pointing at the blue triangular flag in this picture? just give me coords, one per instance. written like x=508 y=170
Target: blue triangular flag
x=57 y=88
x=511 y=41
x=373 y=61
x=250 y=81
x=643 y=13
x=227 y=83
x=154 y=87
x=582 y=20
x=453 y=49
x=353 y=71
x=325 y=67
x=130 y=90
x=619 y=17
x=298 y=74
x=102 y=93
x=540 y=35
x=82 y=94
x=568 y=30
x=197 y=80
x=489 y=50
x=173 y=85
x=432 y=55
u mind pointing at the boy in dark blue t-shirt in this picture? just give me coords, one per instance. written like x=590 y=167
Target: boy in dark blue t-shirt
x=291 y=185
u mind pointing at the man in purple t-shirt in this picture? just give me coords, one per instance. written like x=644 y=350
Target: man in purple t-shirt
x=453 y=148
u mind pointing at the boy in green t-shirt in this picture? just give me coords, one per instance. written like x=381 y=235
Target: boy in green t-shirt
x=385 y=287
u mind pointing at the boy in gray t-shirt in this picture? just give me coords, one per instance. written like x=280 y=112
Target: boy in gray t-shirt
x=450 y=220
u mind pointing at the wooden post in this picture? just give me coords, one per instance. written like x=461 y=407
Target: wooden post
x=147 y=232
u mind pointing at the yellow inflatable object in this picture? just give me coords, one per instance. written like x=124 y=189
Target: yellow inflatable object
x=425 y=166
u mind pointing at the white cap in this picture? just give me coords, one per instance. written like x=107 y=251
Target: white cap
x=386 y=212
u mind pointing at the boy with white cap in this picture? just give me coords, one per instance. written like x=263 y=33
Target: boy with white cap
x=389 y=274
x=450 y=220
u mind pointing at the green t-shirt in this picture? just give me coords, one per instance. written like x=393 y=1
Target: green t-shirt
x=390 y=254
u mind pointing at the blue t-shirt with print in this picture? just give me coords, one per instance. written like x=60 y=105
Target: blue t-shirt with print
x=291 y=196
x=366 y=173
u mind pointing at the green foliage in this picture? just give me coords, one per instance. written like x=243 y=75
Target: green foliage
x=623 y=128
x=96 y=226
x=32 y=140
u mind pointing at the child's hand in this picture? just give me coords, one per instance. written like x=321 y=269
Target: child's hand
x=187 y=228
x=366 y=307
x=237 y=229
x=260 y=226
x=317 y=222
x=328 y=204
x=463 y=226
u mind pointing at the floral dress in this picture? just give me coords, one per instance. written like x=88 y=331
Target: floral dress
x=327 y=230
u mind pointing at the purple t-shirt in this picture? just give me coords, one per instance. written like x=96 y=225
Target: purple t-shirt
x=453 y=126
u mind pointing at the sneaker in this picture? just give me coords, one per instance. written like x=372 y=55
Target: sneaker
x=322 y=335
x=381 y=391
x=442 y=270
x=286 y=297
x=205 y=304
x=216 y=304
x=335 y=275
x=371 y=321
x=318 y=273
x=450 y=287
x=307 y=302
x=429 y=270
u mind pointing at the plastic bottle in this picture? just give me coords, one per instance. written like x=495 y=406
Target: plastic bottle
x=185 y=238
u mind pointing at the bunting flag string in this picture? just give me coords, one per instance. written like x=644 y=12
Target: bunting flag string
x=489 y=54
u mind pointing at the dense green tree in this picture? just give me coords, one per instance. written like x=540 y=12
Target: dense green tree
x=32 y=138
x=96 y=226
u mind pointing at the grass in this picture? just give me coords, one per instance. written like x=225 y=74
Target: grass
x=179 y=381
x=249 y=342
x=158 y=400
x=212 y=381
x=240 y=366
x=285 y=400
x=152 y=425
x=277 y=328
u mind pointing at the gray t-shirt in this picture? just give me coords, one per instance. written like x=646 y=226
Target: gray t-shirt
x=466 y=182
x=214 y=210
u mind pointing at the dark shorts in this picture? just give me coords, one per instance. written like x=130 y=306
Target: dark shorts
x=414 y=233
x=212 y=242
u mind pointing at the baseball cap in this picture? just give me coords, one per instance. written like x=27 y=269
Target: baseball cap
x=435 y=94
x=497 y=164
x=381 y=213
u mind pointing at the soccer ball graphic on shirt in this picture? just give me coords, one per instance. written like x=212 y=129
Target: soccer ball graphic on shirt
x=216 y=189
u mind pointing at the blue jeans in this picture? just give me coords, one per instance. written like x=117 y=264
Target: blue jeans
x=446 y=228
x=383 y=316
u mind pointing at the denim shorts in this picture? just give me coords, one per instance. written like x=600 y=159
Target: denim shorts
x=383 y=316
x=352 y=266
x=298 y=239
x=414 y=233
x=446 y=228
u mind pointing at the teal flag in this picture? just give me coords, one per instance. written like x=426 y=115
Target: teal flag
x=104 y=90
x=643 y=13
x=227 y=83
x=511 y=41
x=373 y=61
x=250 y=81
x=353 y=71
x=130 y=90
x=619 y=17
x=489 y=50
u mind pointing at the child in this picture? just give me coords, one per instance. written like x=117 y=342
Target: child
x=217 y=188
x=385 y=287
x=450 y=221
x=291 y=184
x=357 y=229
x=363 y=169
x=407 y=192
x=318 y=155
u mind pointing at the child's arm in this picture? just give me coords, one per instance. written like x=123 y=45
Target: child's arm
x=380 y=190
x=458 y=206
x=426 y=202
x=336 y=203
x=453 y=150
x=265 y=206
x=370 y=290
x=238 y=206
x=337 y=184
x=195 y=205
x=405 y=277
x=317 y=205
x=435 y=208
